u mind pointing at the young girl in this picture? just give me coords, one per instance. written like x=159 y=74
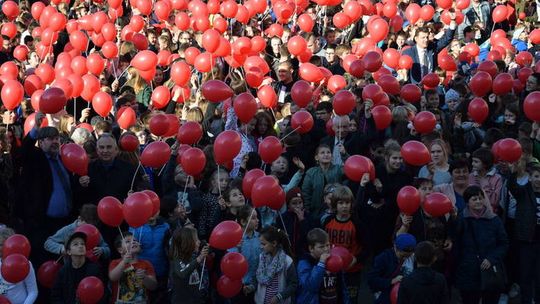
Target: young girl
x=233 y=199
x=276 y=274
x=186 y=267
x=486 y=177
x=317 y=177
x=211 y=210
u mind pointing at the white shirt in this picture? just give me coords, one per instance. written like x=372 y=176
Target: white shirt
x=24 y=292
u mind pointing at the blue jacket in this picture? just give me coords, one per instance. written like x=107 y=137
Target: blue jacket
x=310 y=276
x=153 y=239
x=250 y=248
x=386 y=266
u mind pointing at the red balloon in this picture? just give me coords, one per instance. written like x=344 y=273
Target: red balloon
x=74 y=158
x=249 y=179
x=478 y=110
x=91 y=87
x=227 y=287
x=357 y=68
x=20 y=52
x=372 y=61
x=503 y=84
x=302 y=121
x=126 y=117
x=15 y=268
x=431 y=80
x=357 y=165
x=245 y=107
x=336 y=83
x=92 y=235
x=427 y=12
x=156 y=154
x=264 y=190
x=413 y=13
x=156 y=203
x=415 y=153
x=47 y=273
x=447 y=63
x=52 y=100
x=227 y=146
x=110 y=211
x=382 y=116
x=344 y=254
x=408 y=200
x=90 y=290
x=160 y=97
x=480 y=84
x=389 y=84
x=405 y=62
x=344 y=102
x=193 y=161
x=305 y=22
x=158 y=124
x=226 y=235
x=437 y=204
x=95 y=64
x=180 y=73
x=424 y=122
x=234 y=265
x=144 y=60
x=137 y=209
x=509 y=150
x=216 y=91
x=32 y=83
x=411 y=93
x=301 y=93
x=334 y=263
x=78 y=40
x=16 y=243
x=500 y=13
x=378 y=29
x=12 y=94
x=391 y=58
x=531 y=106
x=267 y=96
x=210 y=40
x=174 y=125
x=296 y=45
x=310 y=72
x=102 y=103
x=488 y=66
x=270 y=148
x=535 y=36
x=189 y=133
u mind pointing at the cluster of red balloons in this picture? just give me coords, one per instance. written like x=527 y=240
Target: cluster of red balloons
x=233 y=266
x=15 y=253
x=226 y=235
x=136 y=210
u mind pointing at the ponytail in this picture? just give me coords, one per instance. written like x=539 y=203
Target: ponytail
x=273 y=234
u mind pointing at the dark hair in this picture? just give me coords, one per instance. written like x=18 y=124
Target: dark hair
x=341 y=194
x=421 y=180
x=325 y=106
x=254 y=161
x=244 y=213
x=513 y=108
x=89 y=214
x=421 y=30
x=183 y=243
x=273 y=234
x=424 y=253
x=485 y=156
x=120 y=238
x=492 y=136
x=472 y=191
x=234 y=184
x=459 y=163
x=317 y=236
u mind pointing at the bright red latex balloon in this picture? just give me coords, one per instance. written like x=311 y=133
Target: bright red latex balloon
x=415 y=153
x=357 y=68
x=137 y=209
x=344 y=102
x=110 y=211
x=413 y=13
x=52 y=100
x=92 y=235
x=500 y=13
x=226 y=235
x=126 y=117
x=503 y=84
x=336 y=83
x=263 y=191
x=210 y=40
x=245 y=107
x=47 y=273
x=431 y=80
x=378 y=29
x=193 y=161
x=156 y=154
x=391 y=58
x=437 y=204
x=267 y=96
x=305 y=22
x=12 y=94
x=227 y=287
x=249 y=179
x=15 y=268
x=74 y=158
x=189 y=133
x=310 y=72
x=334 y=263
x=227 y=146
x=382 y=116
x=90 y=290
x=531 y=106
x=301 y=93
x=389 y=84
x=480 y=84
x=427 y=12
x=302 y=121
x=509 y=150
x=372 y=61
x=156 y=203
x=234 y=265
x=144 y=60
x=356 y=166
x=270 y=148
x=424 y=122
x=296 y=45
x=180 y=73
x=16 y=243
x=158 y=124
x=408 y=200
x=344 y=254
x=478 y=110
x=102 y=103
x=91 y=87
x=216 y=91
x=411 y=93
x=489 y=67
x=161 y=97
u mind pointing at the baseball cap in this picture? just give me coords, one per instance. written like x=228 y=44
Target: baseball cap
x=405 y=242
x=73 y=236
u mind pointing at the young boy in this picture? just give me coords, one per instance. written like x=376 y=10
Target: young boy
x=345 y=230
x=316 y=285
x=130 y=277
x=423 y=285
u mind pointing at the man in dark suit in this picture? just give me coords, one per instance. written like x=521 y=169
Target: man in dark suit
x=424 y=52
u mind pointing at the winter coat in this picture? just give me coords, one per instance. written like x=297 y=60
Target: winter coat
x=525 y=220
x=423 y=286
x=153 y=239
x=313 y=187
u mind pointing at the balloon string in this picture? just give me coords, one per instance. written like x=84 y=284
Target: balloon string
x=245 y=82
x=217 y=181
x=114 y=69
x=284 y=228
x=185 y=189
x=249 y=221
x=75 y=111
x=161 y=170
x=124 y=71
x=282 y=139
x=135 y=175
x=58 y=260
x=202 y=273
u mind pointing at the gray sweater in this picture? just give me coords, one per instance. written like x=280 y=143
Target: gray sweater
x=55 y=244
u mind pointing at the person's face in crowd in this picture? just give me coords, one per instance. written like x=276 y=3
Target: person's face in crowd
x=285 y=73
x=324 y=156
x=77 y=247
x=460 y=176
x=222 y=181
x=422 y=40
x=313 y=45
x=437 y=154
x=275 y=43
x=394 y=161
x=343 y=208
x=142 y=136
x=282 y=125
x=236 y=199
x=251 y=126
x=400 y=40
x=319 y=249
x=534 y=178
x=455 y=48
x=71 y=124
x=341 y=128
x=433 y=101
x=185 y=38
x=477 y=164
x=353 y=126
x=523 y=36
x=33 y=59
x=425 y=189
x=106 y=149
x=331 y=37
x=253 y=223
x=322 y=114
x=158 y=78
x=50 y=145
x=129 y=245
x=403 y=254
x=531 y=84
x=452 y=104
x=296 y=204
x=152 y=39
x=268 y=247
x=103 y=80
x=476 y=203
x=285 y=37
x=9 y=117
x=262 y=126
x=280 y=165
x=509 y=118
x=163 y=44
x=330 y=55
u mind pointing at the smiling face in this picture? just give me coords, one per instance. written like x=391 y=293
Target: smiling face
x=324 y=156
x=107 y=149
x=534 y=178
x=460 y=176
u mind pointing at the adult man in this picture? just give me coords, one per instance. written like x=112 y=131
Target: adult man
x=478 y=12
x=286 y=80
x=45 y=201
x=424 y=53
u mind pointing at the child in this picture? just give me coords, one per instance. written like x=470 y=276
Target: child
x=250 y=248
x=211 y=210
x=233 y=199
x=485 y=175
x=316 y=284
x=296 y=221
x=345 y=230
x=423 y=285
x=130 y=277
x=276 y=274
x=153 y=238
x=88 y=215
x=76 y=268
x=23 y=292
x=391 y=266
x=186 y=266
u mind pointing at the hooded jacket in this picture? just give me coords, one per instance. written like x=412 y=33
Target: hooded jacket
x=423 y=286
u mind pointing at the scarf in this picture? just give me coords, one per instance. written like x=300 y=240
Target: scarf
x=269 y=266
x=486 y=212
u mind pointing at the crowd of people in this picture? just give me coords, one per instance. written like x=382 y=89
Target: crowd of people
x=188 y=105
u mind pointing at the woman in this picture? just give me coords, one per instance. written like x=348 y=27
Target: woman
x=454 y=49
x=437 y=170
x=245 y=130
x=142 y=90
x=460 y=181
x=482 y=244
x=263 y=128
x=66 y=126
